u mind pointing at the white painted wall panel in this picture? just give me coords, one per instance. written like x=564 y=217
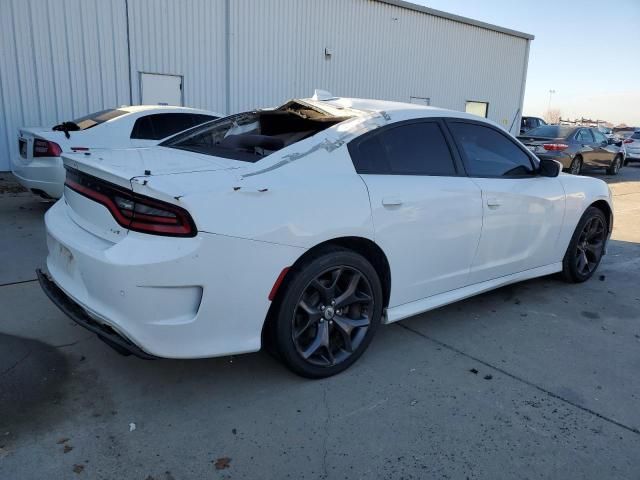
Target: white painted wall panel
x=59 y=60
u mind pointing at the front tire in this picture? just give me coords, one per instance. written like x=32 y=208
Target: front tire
x=328 y=314
x=615 y=166
x=586 y=247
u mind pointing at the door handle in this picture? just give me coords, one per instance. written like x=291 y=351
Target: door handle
x=391 y=201
x=493 y=202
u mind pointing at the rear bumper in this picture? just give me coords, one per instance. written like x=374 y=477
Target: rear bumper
x=41 y=174
x=76 y=313
x=171 y=297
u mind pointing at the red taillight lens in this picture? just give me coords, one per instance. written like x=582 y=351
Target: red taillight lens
x=555 y=147
x=133 y=211
x=44 y=148
x=629 y=140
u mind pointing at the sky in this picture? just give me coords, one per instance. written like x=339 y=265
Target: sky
x=587 y=51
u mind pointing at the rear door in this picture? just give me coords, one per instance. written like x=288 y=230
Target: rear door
x=587 y=147
x=522 y=211
x=427 y=214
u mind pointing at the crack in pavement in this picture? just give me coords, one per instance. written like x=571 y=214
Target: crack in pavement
x=17 y=283
x=326 y=434
x=523 y=380
x=16 y=364
x=74 y=343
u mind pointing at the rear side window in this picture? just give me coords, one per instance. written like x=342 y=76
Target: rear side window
x=411 y=149
x=489 y=153
x=161 y=125
x=636 y=135
x=584 y=136
x=97 y=118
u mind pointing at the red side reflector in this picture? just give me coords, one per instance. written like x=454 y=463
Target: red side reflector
x=276 y=286
x=628 y=140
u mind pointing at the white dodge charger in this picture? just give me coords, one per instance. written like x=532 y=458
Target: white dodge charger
x=38 y=166
x=305 y=227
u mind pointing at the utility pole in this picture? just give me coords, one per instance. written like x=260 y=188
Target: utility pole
x=551 y=92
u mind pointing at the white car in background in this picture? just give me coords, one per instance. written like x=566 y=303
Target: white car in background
x=307 y=226
x=632 y=146
x=39 y=168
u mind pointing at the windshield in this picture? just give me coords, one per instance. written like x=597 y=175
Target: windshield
x=550 y=131
x=251 y=136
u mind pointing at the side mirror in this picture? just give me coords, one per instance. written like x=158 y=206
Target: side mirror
x=549 y=168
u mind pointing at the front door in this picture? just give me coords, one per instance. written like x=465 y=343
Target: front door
x=604 y=152
x=427 y=215
x=522 y=211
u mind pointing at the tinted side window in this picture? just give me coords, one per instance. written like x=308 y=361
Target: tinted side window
x=162 y=125
x=599 y=136
x=584 y=136
x=412 y=149
x=489 y=153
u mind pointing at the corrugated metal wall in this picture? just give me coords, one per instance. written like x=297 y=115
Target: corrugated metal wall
x=60 y=59
x=379 y=51
x=181 y=37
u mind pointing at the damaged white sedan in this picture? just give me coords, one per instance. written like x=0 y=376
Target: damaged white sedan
x=306 y=227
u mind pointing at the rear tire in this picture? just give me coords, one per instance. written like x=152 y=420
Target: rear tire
x=586 y=247
x=328 y=314
x=615 y=166
x=576 y=166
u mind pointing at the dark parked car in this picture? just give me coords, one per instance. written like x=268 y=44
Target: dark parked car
x=529 y=123
x=574 y=147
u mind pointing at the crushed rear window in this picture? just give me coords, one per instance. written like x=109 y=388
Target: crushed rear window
x=251 y=136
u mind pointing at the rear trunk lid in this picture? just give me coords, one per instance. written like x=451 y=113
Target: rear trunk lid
x=536 y=144
x=28 y=135
x=118 y=168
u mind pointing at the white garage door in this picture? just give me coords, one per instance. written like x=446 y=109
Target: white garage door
x=157 y=89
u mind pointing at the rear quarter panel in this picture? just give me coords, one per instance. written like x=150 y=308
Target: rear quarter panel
x=303 y=196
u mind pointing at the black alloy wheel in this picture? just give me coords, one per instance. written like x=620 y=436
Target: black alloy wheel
x=332 y=316
x=586 y=247
x=328 y=314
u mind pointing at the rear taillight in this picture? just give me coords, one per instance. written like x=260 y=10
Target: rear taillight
x=555 y=147
x=133 y=211
x=44 y=148
x=629 y=140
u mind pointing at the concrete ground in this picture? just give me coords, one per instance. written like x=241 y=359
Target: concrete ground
x=536 y=380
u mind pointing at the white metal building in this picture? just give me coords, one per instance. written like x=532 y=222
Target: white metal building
x=61 y=59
